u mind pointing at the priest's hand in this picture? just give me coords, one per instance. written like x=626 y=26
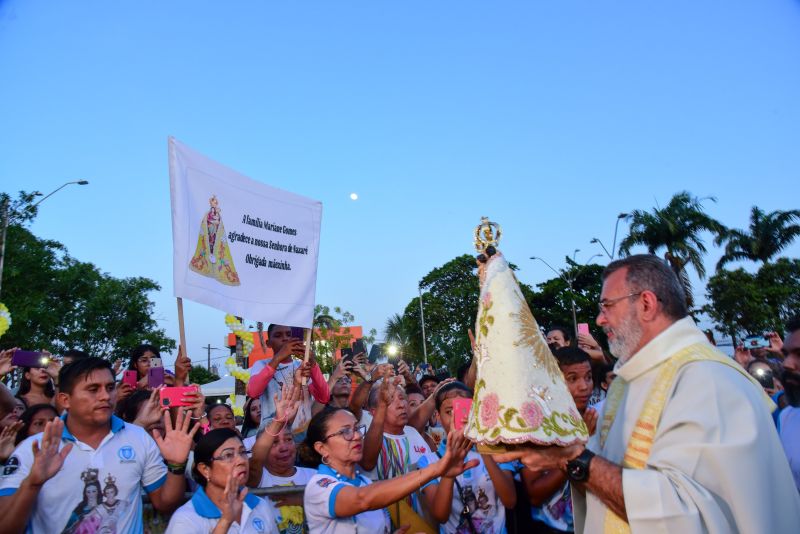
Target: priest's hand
x=540 y=458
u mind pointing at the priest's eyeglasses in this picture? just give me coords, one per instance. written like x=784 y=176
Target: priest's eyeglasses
x=605 y=304
x=349 y=432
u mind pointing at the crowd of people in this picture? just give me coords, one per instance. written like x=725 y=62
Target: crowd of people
x=379 y=447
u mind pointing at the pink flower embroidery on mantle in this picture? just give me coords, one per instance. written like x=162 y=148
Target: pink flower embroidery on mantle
x=490 y=406
x=532 y=414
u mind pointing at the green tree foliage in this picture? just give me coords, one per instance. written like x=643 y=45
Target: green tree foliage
x=201 y=375
x=450 y=296
x=551 y=304
x=399 y=332
x=59 y=303
x=767 y=236
x=743 y=303
x=677 y=229
x=333 y=333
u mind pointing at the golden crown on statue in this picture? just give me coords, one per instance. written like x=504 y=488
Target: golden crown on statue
x=487 y=234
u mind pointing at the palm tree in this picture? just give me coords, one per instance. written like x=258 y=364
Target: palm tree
x=676 y=228
x=396 y=330
x=769 y=233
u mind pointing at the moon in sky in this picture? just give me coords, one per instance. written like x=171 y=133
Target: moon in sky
x=353 y=196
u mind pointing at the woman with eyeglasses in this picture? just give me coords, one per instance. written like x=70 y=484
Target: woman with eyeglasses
x=221 y=504
x=140 y=360
x=342 y=500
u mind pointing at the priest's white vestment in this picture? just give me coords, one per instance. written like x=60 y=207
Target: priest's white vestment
x=716 y=463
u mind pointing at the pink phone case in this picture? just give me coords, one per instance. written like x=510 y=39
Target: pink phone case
x=130 y=378
x=461 y=408
x=583 y=328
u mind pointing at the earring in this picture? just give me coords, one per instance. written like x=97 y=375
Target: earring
x=325 y=460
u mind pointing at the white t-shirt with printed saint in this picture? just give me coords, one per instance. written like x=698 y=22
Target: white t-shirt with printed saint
x=488 y=512
x=200 y=516
x=319 y=502
x=96 y=489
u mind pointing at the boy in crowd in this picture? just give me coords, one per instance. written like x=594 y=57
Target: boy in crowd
x=476 y=500
x=269 y=376
x=549 y=490
x=90 y=444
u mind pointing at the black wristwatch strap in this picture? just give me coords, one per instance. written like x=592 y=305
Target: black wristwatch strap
x=578 y=469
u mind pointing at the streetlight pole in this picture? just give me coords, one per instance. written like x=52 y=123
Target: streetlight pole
x=614 y=244
x=6 y=219
x=569 y=281
x=422 y=322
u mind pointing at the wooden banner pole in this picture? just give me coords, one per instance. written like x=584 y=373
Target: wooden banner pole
x=308 y=351
x=181 y=329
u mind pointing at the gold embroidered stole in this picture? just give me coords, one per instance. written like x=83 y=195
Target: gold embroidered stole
x=637 y=451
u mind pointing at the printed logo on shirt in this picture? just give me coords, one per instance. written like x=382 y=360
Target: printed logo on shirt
x=258 y=524
x=419 y=449
x=126 y=454
x=325 y=482
x=11 y=466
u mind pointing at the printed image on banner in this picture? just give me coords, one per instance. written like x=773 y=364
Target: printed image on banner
x=241 y=246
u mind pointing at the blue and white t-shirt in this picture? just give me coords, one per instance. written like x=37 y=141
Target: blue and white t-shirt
x=477 y=489
x=319 y=503
x=96 y=490
x=200 y=516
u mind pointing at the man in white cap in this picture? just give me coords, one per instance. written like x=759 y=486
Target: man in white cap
x=685 y=442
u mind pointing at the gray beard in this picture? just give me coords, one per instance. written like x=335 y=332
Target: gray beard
x=627 y=337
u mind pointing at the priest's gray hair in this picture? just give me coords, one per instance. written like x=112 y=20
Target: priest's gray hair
x=648 y=272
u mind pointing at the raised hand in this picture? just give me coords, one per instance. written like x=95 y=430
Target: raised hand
x=53 y=365
x=452 y=463
x=5 y=361
x=440 y=385
x=197 y=402
x=123 y=391
x=287 y=405
x=388 y=389
x=404 y=370
x=183 y=364
x=289 y=349
x=775 y=342
x=232 y=499
x=47 y=460
x=7 y=438
x=177 y=442
x=150 y=411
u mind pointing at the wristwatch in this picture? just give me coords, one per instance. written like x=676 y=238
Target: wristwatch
x=578 y=468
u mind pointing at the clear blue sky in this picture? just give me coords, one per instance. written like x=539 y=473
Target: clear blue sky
x=549 y=117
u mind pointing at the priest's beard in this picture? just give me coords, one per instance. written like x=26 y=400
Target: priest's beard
x=626 y=336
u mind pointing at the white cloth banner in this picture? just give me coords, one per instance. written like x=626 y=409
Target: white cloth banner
x=241 y=246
